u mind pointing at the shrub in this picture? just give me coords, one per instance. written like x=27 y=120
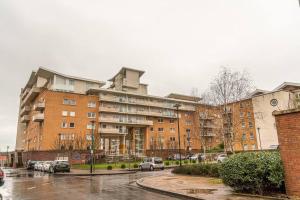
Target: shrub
x=254 y=172
x=167 y=163
x=123 y=166
x=135 y=165
x=177 y=162
x=211 y=170
x=109 y=167
x=193 y=161
x=186 y=162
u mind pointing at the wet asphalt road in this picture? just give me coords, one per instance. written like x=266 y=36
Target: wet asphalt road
x=41 y=186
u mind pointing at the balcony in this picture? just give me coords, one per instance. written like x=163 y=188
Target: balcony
x=126 y=121
x=31 y=95
x=39 y=106
x=112 y=131
x=23 y=95
x=25 y=119
x=209 y=134
x=25 y=110
x=38 y=117
x=208 y=126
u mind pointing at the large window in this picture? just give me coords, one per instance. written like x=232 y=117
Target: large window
x=160 y=129
x=92 y=104
x=91 y=115
x=160 y=120
x=64 y=125
x=72 y=113
x=64 y=113
x=172 y=130
x=69 y=102
x=251 y=136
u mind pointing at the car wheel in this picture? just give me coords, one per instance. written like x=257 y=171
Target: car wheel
x=151 y=168
x=162 y=168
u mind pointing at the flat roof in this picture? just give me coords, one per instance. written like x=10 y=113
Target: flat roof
x=183 y=97
x=98 y=90
x=47 y=73
x=283 y=112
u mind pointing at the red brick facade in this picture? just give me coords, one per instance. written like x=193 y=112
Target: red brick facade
x=288 y=130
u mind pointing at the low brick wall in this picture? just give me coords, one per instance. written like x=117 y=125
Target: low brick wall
x=288 y=130
x=74 y=157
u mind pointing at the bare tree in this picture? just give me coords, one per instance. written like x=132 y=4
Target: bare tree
x=228 y=87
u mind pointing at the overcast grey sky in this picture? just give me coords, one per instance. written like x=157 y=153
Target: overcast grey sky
x=179 y=43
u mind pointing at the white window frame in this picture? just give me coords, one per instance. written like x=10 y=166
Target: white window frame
x=72 y=114
x=64 y=113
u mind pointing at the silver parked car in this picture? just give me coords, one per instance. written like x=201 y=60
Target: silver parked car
x=221 y=158
x=152 y=163
x=46 y=166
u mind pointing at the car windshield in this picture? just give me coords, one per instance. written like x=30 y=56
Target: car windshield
x=157 y=160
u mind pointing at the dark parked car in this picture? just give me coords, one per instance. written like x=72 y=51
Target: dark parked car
x=30 y=164
x=60 y=166
x=1 y=175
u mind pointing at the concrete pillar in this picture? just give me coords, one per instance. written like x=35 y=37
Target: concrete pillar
x=122 y=145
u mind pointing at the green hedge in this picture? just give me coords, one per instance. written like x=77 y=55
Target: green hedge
x=123 y=166
x=253 y=172
x=211 y=170
x=109 y=167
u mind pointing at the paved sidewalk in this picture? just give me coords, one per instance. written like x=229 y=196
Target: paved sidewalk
x=192 y=187
x=98 y=172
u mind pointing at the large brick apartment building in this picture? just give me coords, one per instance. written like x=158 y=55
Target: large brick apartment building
x=59 y=111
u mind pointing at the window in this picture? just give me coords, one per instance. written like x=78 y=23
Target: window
x=91 y=115
x=151 y=129
x=254 y=147
x=244 y=137
x=72 y=114
x=88 y=136
x=241 y=114
x=72 y=125
x=71 y=82
x=160 y=129
x=64 y=136
x=172 y=138
x=245 y=147
x=243 y=124
x=90 y=126
x=64 y=113
x=251 y=136
x=249 y=114
x=64 y=125
x=103 y=125
x=160 y=120
x=188 y=132
x=69 y=102
x=250 y=124
x=241 y=105
x=172 y=121
x=172 y=130
x=188 y=122
x=92 y=104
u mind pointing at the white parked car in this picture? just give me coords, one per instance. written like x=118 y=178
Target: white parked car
x=46 y=166
x=37 y=165
x=152 y=163
x=221 y=158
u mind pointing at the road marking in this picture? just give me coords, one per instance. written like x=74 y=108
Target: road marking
x=31 y=188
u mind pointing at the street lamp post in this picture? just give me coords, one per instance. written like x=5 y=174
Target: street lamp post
x=258 y=131
x=92 y=147
x=177 y=105
x=7 y=159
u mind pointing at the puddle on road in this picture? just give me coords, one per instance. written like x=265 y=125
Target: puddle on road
x=200 y=191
